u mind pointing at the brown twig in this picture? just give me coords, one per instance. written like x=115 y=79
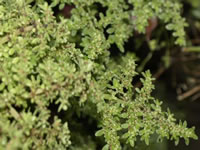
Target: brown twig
x=189 y=93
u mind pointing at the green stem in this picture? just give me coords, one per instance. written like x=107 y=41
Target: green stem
x=192 y=49
x=143 y=64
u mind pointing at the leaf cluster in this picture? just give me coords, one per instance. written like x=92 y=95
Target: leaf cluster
x=41 y=66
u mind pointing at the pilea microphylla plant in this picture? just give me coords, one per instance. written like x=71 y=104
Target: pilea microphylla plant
x=52 y=68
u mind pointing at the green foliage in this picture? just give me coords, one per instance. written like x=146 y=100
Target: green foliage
x=43 y=64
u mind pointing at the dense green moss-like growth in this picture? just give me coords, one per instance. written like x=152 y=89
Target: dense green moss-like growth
x=66 y=63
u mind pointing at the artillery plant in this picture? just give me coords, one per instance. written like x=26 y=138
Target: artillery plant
x=52 y=68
